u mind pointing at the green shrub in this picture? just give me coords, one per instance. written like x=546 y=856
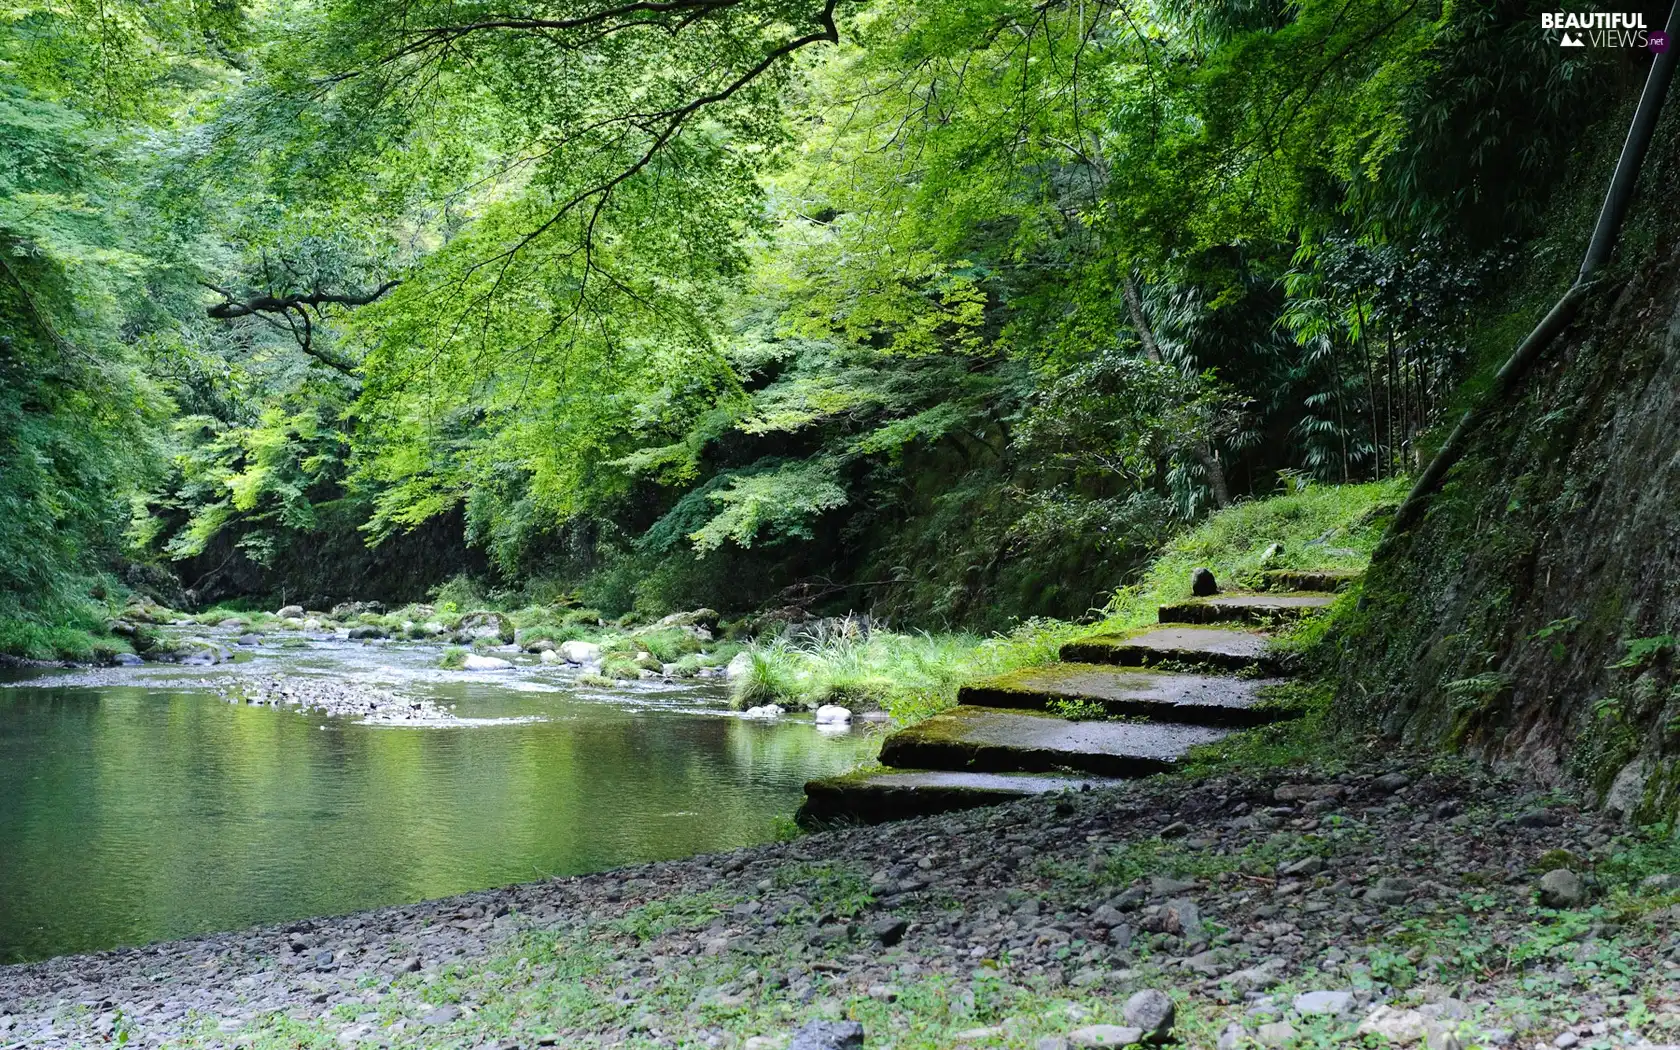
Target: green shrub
x=620 y=668
x=453 y=659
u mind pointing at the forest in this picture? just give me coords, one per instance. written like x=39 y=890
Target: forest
x=839 y=524
x=951 y=312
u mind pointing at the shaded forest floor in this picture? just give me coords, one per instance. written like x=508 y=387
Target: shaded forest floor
x=1379 y=883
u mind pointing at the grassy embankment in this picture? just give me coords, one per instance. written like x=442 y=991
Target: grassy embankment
x=916 y=675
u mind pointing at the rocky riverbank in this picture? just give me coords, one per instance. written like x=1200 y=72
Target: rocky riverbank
x=1276 y=909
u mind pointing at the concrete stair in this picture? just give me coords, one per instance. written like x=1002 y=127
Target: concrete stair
x=1244 y=608
x=1117 y=706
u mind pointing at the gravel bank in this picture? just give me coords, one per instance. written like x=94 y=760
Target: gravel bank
x=1275 y=909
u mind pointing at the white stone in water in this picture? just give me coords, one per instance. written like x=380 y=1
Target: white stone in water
x=739 y=665
x=833 y=715
x=475 y=662
x=766 y=711
x=549 y=656
x=576 y=652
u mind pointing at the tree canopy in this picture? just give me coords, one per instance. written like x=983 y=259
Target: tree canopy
x=950 y=309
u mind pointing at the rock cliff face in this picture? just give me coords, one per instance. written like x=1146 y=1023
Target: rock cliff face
x=1532 y=615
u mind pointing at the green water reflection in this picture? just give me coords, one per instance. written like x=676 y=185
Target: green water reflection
x=131 y=813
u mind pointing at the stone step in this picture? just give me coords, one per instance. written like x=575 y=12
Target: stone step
x=877 y=795
x=1225 y=648
x=1159 y=696
x=1244 y=608
x=989 y=740
x=1327 y=581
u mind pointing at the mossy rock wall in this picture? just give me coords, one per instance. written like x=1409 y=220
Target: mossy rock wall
x=1530 y=615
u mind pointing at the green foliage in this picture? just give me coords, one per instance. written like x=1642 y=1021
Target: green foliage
x=736 y=304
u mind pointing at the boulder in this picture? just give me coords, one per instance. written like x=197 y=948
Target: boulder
x=1562 y=888
x=367 y=632
x=739 y=665
x=1105 y=1035
x=126 y=660
x=833 y=715
x=1152 y=1011
x=1202 y=583
x=706 y=619
x=487 y=625
x=289 y=612
x=549 y=656
x=345 y=610
x=575 y=652
x=1332 y=1003
x=475 y=662
x=828 y=1035
x=766 y=711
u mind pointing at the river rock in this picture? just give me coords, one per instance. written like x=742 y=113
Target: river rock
x=575 y=652
x=1562 y=888
x=487 y=625
x=706 y=619
x=549 y=656
x=765 y=711
x=1151 y=1011
x=1394 y=1024
x=833 y=715
x=739 y=665
x=828 y=1035
x=1660 y=884
x=1202 y=583
x=289 y=612
x=1105 y=1035
x=475 y=662
x=368 y=632
x=1334 y=1003
x=126 y=660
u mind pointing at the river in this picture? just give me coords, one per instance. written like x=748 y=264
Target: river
x=138 y=804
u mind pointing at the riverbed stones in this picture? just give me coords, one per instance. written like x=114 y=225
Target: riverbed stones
x=1152 y=1012
x=367 y=632
x=1332 y=1003
x=738 y=666
x=1097 y=1035
x=580 y=652
x=475 y=662
x=889 y=929
x=289 y=612
x=828 y=1035
x=833 y=715
x=1562 y=888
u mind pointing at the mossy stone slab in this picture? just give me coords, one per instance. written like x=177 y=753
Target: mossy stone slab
x=1160 y=696
x=989 y=740
x=1327 y=581
x=875 y=796
x=1229 y=649
x=1244 y=608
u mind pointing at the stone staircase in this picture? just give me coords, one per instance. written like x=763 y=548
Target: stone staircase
x=1142 y=701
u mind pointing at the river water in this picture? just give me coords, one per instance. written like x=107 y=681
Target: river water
x=137 y=804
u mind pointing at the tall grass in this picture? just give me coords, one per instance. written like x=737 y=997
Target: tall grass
x=910 y=676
